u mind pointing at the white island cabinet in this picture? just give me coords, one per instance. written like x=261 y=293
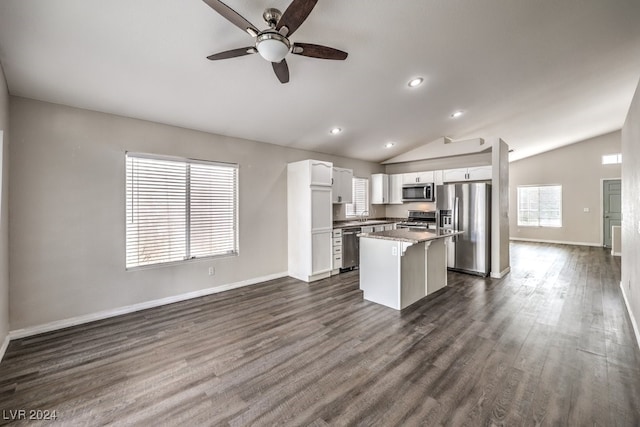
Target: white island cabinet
x=400 y=267
x=310 y=220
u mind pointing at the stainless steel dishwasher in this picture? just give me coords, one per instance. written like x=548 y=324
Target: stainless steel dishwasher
x=350 y=248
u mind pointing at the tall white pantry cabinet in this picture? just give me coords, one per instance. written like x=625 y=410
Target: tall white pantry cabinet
x=310 y=220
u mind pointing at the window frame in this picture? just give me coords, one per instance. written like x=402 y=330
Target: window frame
x=518 y=210
x=355 y=214
x=187 y=209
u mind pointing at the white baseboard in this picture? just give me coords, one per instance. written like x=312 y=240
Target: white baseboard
x=633 y=319
x=3 y=347
x=79 y=320
x=558 y=242
x=616 y=253
x=501 y=274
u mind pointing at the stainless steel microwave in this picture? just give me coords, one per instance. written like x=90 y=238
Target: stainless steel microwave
x=422 y=192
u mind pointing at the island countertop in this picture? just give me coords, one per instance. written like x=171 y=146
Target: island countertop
x=410 y=236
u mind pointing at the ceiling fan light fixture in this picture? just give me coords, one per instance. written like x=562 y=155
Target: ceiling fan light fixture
x=272 y=46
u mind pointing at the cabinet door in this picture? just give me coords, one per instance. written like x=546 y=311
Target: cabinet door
x=453 y=175
x=321 y=173
x=425 y=177
x=480 y=173
x=409 y=178
x=395 y=189
x=437 y=177
x=342 y=185
x=321 y=252
x=321 y=211
x=379 y=189
x=347 y=185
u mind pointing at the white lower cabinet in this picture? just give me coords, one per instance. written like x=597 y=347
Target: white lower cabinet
x=322 y=259
x=337 y=250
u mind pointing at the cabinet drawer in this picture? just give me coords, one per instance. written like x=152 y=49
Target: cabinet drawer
x=337 y=241
x=337 y=261
x=337 y=232
x=337 y=250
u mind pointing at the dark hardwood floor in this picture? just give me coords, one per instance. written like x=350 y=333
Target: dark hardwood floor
x=549 y=344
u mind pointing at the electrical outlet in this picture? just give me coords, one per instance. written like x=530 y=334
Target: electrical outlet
x=212 y=271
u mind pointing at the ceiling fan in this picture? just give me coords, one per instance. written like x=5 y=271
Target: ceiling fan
x=273 y=43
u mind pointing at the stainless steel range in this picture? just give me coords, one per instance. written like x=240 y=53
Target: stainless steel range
x=419 y=220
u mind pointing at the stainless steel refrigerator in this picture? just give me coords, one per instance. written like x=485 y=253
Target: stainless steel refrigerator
x=466 y=207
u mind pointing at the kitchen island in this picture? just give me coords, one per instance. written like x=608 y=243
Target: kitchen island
x=400 y=267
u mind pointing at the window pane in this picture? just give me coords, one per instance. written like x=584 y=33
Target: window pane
x=212 y=210
x=360 y=188
x=156 y=221
x=540 y=206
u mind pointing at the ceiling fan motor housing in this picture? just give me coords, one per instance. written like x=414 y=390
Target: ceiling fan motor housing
x=271 y=16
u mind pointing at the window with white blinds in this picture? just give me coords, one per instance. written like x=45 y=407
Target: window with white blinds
x=179 y=209
x=360 y=203
x=540 y=206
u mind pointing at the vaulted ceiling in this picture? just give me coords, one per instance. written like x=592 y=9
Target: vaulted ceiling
x=539 y=74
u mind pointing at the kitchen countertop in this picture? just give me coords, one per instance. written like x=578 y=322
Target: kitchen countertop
x=410 y=236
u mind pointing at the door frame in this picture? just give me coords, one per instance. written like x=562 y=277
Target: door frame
x=602 y=180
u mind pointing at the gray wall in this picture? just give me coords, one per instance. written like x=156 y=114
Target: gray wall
x=631 y=207
x=67 y=211
x=579 y=169
x=4 y=210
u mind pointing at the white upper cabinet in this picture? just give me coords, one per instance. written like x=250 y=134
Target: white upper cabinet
x=480 y=173
x=379 y=189
x=418 y=177
x=342 y=187
x=476 y=173
x=395 y=189
x=452 y=175
x=321 y=172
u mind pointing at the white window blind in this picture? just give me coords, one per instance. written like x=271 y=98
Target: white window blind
x=540 y=206
x=179 y=209
x=360 y=187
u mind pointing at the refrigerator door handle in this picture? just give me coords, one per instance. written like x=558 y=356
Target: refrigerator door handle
x=455 y=217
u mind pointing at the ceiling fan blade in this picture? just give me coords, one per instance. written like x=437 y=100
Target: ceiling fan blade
x=294 y=16
x=232 y=53
x=233 y=17
x=318 y=51
x=282 y=71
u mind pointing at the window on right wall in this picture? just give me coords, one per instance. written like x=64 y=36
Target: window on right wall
x=540 y=206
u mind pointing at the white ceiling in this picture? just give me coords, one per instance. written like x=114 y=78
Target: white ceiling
x=539 y=74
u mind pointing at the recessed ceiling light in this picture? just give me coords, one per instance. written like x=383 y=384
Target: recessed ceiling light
x=389 y=144
x=415 y=82
x=457 y=114
x=335 y=131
